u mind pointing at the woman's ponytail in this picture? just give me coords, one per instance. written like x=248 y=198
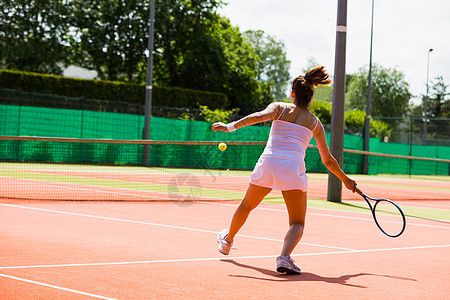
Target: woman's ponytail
x=303 y=86
x=317 y=76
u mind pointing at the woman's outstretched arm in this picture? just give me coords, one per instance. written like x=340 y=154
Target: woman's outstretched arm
x=269 y=113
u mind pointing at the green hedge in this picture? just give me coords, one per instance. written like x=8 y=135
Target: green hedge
x=322 y=110
x=352 y=119
x=356 y=119
x=109 y=90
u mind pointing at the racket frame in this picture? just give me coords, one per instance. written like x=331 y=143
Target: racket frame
x=372 y=209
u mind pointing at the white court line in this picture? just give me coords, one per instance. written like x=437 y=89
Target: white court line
x=55 y=287
x=158 y=225
x=342 y=217
x=219 y=258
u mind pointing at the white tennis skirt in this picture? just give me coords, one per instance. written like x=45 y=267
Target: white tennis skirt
x=280 y=174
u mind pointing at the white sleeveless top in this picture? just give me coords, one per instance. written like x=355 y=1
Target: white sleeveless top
x=282 y=164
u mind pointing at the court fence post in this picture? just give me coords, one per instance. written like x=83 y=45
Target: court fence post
x=149 y=85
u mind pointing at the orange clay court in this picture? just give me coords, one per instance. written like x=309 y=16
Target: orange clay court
x=168 y=250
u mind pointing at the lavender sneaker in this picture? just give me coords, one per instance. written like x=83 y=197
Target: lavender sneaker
x=224 y=246
x=285 y=264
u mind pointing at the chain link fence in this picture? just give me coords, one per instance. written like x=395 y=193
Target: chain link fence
x=412 y=131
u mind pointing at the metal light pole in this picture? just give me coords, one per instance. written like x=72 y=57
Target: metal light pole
x=149 y=85
x=337 y=114
x=426 y=102
x=369 y=103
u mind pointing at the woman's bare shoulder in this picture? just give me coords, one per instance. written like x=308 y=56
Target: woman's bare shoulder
x=312 y=115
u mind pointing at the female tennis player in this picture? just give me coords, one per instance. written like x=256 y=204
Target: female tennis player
x=281 y=166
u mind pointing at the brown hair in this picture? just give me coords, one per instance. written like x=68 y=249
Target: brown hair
x=303 y=86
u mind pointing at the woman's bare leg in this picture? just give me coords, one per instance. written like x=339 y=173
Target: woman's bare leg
x=296 y=205
x=254 y=195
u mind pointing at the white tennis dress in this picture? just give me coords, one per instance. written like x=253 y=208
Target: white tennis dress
x=282 y=164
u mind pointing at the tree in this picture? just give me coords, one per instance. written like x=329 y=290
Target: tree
x=272 y=66
x=439 y=100
x=390 y=93
x=438 y=107
x=33 y=34
x=202 y=50
x=195 y=47
x=110 y=36
x=241 y=83
x=311 y=64
x=183 y=36
x=324 y=93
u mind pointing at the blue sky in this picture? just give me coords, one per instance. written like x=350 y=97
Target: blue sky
x=404 y=31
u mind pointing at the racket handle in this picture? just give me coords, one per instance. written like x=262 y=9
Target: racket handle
x=358 y=190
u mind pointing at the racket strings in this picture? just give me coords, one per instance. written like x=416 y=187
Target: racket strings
x=389 y=218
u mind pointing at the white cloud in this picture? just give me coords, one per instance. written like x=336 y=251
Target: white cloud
x=404 y=30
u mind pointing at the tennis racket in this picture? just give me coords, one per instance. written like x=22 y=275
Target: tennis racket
x=388 y=216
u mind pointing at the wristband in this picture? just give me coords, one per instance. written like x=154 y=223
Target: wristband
x=230 y=127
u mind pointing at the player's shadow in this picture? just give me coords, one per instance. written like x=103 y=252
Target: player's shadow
x=305 y=276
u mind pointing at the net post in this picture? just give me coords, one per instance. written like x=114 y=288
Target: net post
x=337 y=117
x=148 y=87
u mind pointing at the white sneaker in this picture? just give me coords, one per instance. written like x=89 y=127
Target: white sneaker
x=285 y=264
x=224 y=246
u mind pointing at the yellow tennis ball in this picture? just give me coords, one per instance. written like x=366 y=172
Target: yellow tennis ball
x=222 y=146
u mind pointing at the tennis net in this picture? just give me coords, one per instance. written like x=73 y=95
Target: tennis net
x=39 y=168
x=112 y=170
